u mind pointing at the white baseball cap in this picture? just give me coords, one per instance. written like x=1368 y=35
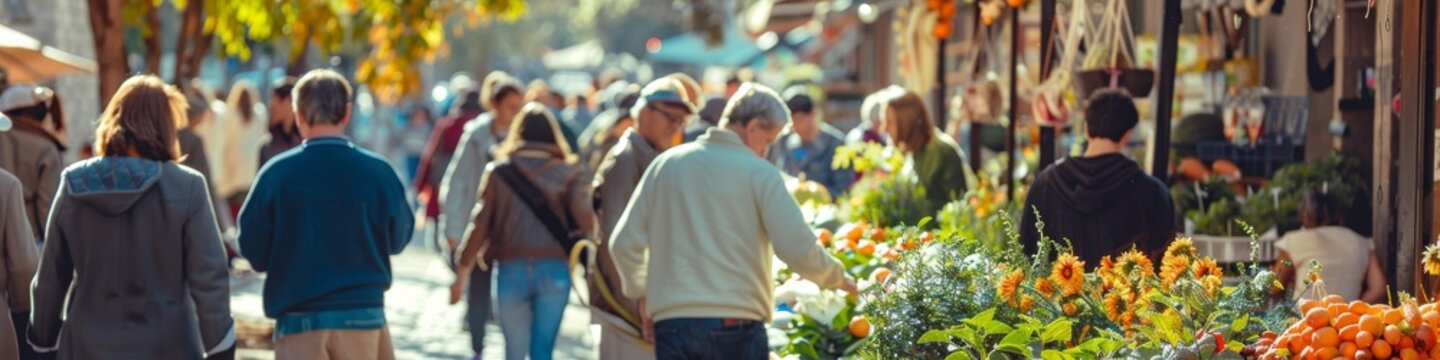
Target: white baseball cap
x=23 y=96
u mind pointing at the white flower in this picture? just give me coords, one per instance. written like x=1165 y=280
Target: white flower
x=792 y=291
x=823 y=308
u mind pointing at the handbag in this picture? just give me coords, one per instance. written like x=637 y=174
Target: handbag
x=531 y=196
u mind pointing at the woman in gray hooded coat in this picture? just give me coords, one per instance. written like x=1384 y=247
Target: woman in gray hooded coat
x=132 y=239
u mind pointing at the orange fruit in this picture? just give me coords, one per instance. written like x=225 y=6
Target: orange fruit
x=1359 y=308
x=1283 y=342
x=1346 y=319
x=1325 y=337
x=866 y=247
x=1307 y=304
x=1363 y=354
x=1348 y=333
x=1317 y=317
x=1334 y=299
x=1337 y=309
x=1381 y=349
x=824 y=236
x=880 y=275
x=1406 y=343
x=859 y=327
x=1394 y=316
x=1392 y=335
x=1364 y=339
x=1409 y=354
x=1371 y=324
x=1348 y=350
x=877 y=235
x=1431 y=318
x=1425 y=336
x=1325 y=353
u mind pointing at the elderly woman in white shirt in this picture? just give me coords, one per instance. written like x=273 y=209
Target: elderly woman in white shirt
x=1350 y=266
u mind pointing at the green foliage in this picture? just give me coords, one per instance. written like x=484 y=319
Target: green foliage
x=1339 y=174
x=883 y=196
x=985 y=337
x=935 y=288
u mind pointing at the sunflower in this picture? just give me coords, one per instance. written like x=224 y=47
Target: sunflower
x=1069 y=273
x=1182 y=247
x=1027 y=303
x=1171 y=269
x=1009 y=284
x=1070 y=309
x=1115 y=306
x=1133 y=263
x=1212 y=284
x=1431 y=259
x=1044 y=287
x=1207 y=267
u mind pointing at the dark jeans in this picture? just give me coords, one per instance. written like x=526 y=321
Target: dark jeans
x=710 y=339
x=478 y=310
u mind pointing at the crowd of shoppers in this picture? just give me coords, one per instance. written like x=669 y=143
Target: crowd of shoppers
x=683 y=197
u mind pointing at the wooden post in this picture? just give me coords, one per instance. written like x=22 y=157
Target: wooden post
x=1415 y=134
x=940 y=108
x=1047 y=54
x=1383 y=181
x=1165 y=95
x=1015 y=35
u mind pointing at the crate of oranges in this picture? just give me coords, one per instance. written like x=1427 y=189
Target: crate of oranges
x=1335 y=329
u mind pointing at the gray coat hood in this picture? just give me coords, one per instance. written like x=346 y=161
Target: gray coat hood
x=111 y=184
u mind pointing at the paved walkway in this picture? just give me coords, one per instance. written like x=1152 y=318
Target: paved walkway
x=422 y=323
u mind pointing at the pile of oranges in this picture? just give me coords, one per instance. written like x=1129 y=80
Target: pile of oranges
x=1335 y=329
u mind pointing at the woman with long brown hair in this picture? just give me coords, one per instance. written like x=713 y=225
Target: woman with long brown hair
x=133 y=266
x=936 y=159
x=534 y=180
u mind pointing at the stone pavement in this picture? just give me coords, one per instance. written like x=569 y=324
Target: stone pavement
x=422 y=323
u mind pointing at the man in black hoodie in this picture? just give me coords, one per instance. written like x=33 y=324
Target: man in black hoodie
x=1102 y=202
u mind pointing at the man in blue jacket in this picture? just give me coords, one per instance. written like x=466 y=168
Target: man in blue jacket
x=323 y=220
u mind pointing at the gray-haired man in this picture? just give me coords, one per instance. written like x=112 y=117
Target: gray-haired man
x=323 y=220
x=697 y=237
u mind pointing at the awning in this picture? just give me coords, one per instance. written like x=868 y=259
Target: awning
x=689 y=48
x=585 y=55
x=25 y=59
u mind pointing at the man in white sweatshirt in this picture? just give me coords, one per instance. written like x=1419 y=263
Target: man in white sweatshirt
x=696 y=241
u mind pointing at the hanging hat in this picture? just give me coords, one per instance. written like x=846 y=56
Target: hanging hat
x=24 y=96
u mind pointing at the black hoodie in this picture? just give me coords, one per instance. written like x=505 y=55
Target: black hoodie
x=1104 y=205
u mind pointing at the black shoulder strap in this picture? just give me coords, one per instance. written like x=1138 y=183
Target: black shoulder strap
x=535 y=200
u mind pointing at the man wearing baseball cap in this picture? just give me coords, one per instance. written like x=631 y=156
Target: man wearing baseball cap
x=31 y=151
x=660 y=114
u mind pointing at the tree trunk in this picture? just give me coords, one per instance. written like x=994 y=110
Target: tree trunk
x=192 y=45
x=105 y=27
x=152 y=39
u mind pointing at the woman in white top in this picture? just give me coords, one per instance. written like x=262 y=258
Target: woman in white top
x=1350 y=267
x=244 y=130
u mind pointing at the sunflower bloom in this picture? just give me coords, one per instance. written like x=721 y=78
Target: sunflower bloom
x=1171 y=269
x=1009 y=284
x=1431 y=259
x=1212 y=284
x=1027 y=303
x=1182 y=247
x=1207 y=267
x=1069 y=273
x=1135 y=263
x=1070 y=309
x=1044 y=287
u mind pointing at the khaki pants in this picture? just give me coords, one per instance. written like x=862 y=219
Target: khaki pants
x=336 y=344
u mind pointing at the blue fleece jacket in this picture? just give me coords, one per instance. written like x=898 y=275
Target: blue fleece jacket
x=323 y=220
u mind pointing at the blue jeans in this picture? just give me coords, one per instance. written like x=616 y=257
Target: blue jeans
x=477 y=308
x=531 y=296
x=692 y=339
